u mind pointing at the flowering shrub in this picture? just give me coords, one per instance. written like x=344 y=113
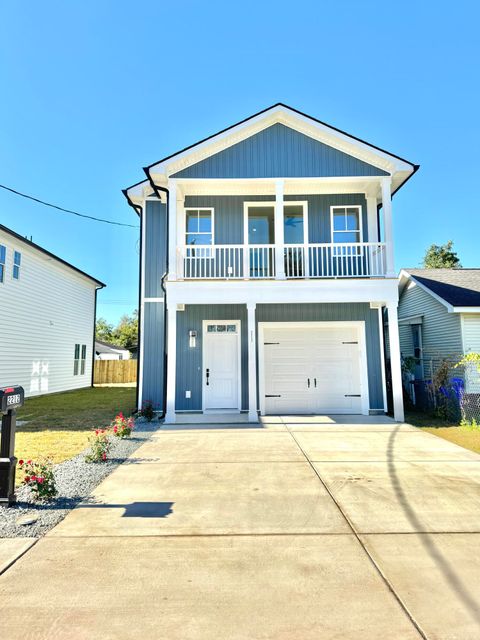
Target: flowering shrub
x=122 y=427
x=99 y=446
x=39 y=477
x=147 y=411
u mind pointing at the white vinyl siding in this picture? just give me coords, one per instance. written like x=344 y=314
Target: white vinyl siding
x=43 y=314
x=471 y=342
x=441 y=331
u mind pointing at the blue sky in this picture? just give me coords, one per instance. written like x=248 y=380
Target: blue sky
x=93 y=91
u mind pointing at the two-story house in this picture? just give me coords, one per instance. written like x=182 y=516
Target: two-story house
x=265 y=268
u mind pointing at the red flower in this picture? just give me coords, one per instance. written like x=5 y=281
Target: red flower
x=27 y=478
x=33 y=478
x=20 y=462
x=40 y=480
x=29 y=462
x=96 y=432
x=115 y=429
x=104 y=456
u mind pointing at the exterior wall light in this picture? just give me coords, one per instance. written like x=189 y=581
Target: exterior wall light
x=192 y=338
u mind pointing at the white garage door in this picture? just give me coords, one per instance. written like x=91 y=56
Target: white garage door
x=312 y=369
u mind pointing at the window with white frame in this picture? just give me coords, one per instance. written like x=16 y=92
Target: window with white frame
x=17 y=257
x=79 y=359
x=346 y=225
x=3 y=257
x=199 y=226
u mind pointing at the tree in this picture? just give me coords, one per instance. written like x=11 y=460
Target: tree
x=125 y=333
x=103 y=330
x=441 y=257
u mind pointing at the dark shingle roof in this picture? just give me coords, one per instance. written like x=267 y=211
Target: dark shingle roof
x=458 y=287
x=106 y=347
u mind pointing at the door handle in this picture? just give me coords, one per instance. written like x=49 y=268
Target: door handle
x=308 y=382
x=315 y=382
x=208 y=376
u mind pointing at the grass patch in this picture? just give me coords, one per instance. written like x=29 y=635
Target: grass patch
x=464 y=436
x=59 y=425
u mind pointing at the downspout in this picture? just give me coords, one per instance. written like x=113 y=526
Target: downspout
x=157 y=189
x=94 y=332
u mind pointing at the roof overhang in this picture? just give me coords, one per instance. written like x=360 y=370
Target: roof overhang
x=159 y=172
x=405 y=277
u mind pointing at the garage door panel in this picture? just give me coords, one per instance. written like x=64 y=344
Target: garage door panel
x=328 y=357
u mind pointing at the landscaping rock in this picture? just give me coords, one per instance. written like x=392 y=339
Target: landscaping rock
x=75 y=480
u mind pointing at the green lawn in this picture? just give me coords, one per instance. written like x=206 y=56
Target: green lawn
x=58 y=426
x=466 y=437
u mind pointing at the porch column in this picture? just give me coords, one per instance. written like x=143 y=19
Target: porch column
x=252 y=363
x=171 y=362
x=180 y=222
x=388 y=225
x=372 y=218
x=395 y=362
x=172 y=230
x=279 y=235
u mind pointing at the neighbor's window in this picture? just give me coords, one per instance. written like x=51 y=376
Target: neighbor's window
x=17 y=256
x=3 y=256
x=76 y=360
x=83 y=359
x=199 y=226
x=346 y=224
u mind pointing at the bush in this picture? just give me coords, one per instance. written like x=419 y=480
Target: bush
x=122 y=427
x=147 y=411
x=99 y=446
x=39 y=477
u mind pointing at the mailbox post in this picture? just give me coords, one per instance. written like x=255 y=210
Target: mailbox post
x=10 y=399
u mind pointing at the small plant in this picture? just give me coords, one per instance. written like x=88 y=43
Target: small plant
x=147 y=411
x=471 y=425
x=39 y=477
x=99 y=446
x=122 y=427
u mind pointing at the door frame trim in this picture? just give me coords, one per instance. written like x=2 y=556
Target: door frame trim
x=362 y=343
x=238 y=323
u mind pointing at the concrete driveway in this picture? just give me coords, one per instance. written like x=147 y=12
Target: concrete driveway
x=306 y=528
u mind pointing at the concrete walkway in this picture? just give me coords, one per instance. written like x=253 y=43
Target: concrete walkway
x=298 y=529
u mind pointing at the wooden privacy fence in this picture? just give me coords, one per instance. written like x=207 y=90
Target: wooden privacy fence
x=115 y=371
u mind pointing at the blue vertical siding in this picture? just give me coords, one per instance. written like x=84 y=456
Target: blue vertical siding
x=279 y=151
x=229 y=212
x=189 y=360
x=153 y=312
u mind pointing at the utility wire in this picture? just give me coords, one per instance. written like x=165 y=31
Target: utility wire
x=75 y=213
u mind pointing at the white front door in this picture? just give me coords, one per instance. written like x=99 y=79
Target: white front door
x=221 y=364
x=312 y=369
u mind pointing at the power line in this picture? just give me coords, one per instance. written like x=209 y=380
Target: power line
x=75 y=213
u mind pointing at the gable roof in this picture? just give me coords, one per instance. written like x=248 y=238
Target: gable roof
x=347 y=143
x=105 y=347
x=31 y=244
x=458 y=289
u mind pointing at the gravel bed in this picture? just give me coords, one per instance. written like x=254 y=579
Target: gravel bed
x=75 y=480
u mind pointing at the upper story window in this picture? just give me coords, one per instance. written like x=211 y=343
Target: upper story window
x=346 y=224
x=17 y=257
x=199 y=226
x=3 y=257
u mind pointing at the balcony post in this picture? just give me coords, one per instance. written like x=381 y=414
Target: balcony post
x=395 y=362
x=181 y=222
x=279 y=234
x=252 y=363
x=172 y=230
x=388 y=225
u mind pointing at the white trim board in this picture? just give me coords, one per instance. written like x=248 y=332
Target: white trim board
x=358 y=324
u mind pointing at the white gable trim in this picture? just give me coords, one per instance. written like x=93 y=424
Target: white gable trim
x=283 y=115
x=404 y=275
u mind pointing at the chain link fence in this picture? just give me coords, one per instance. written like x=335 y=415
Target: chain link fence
x=441 y=387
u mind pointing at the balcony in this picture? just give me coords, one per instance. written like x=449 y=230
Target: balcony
x=245 y=262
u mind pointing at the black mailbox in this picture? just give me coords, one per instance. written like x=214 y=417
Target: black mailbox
x=10 y=399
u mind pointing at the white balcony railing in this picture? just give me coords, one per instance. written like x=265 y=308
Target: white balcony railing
x=325 y=260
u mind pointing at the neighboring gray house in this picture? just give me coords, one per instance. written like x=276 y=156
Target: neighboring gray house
x=107 y=351
x=439 y=318
x=263 y=274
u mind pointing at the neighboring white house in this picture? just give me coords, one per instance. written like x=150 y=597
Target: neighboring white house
x=47 y=318
x=106 y=351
